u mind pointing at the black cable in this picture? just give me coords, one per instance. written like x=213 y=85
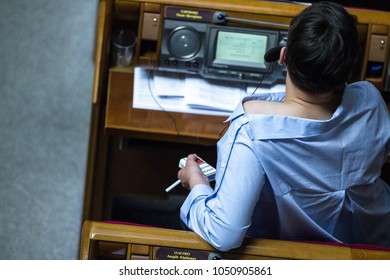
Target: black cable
x=262 y=78
x=159 y=105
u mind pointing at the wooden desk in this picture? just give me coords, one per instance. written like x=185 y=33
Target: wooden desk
x=118 y=241
x=156 y=125
x=133 y=153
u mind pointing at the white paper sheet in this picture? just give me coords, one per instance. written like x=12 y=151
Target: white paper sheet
x=213 y=95
x=174 y=92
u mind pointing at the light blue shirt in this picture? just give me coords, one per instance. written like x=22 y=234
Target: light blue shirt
x=299 y=179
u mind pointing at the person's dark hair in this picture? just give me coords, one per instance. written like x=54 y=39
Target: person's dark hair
x=322 y=49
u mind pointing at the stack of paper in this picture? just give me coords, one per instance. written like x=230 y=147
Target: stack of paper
x=177 y=92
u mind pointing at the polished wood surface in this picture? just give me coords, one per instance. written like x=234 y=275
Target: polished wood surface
x=143 y=241
x=261 y=7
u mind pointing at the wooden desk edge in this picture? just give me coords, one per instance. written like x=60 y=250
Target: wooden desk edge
x=189 y=240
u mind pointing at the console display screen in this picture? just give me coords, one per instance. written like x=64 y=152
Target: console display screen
x=241 y=49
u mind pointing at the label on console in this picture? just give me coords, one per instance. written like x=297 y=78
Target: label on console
x=165 y=253
x=189 y=14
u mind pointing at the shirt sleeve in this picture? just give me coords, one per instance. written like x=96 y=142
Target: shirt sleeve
x=222 y=216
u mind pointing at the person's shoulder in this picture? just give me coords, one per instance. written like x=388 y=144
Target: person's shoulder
x=364 y=90
x=363 y=87
x=262 y=107
x=263 y=103
x=364 y=94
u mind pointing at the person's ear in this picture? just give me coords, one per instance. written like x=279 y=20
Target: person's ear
x=282 y=56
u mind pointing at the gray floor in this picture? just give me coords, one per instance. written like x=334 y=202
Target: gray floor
x=46 y=73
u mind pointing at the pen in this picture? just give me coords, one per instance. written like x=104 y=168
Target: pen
x=172 y=186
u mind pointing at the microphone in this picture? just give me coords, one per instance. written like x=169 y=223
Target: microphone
x=222 y=18
x=272 y=54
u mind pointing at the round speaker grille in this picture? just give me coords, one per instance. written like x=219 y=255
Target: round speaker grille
x=184 y=42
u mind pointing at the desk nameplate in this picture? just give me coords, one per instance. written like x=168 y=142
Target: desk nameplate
x=166 y=253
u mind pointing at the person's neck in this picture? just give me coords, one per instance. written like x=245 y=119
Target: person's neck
x=314 y=106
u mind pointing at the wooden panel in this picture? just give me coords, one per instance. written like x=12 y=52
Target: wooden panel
x=140 y=249
x=266 y=7
x=251 y=248
x=379 y=29
x=362 y=254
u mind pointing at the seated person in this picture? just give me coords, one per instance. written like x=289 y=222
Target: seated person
x=304 y=164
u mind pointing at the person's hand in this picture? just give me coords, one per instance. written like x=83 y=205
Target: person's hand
x=191 y=175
